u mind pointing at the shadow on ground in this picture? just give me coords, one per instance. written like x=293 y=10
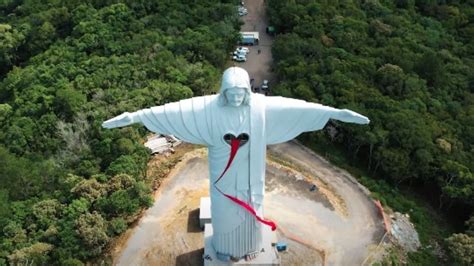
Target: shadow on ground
x=190 y=258
x=193 y=221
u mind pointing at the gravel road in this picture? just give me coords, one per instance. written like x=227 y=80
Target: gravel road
x=346 y=238
x=258 y=65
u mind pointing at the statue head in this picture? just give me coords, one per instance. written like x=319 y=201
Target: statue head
x=235 y=88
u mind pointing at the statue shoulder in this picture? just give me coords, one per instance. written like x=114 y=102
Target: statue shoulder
x=186 y=105
x=280 y=102
x=199 y=100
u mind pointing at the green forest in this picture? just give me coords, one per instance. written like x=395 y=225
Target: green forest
x=68 y=187
x=409 y=66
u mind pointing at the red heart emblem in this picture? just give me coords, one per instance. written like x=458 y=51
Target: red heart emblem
x=243 y=138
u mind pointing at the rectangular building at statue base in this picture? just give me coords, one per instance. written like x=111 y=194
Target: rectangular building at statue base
x=204 y=212
x=267 y=256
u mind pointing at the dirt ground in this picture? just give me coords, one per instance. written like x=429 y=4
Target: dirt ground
x=335 y=224
x=168 y=233
x=347 y=230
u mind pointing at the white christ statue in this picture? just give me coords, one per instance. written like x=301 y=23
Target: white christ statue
x=236 y=186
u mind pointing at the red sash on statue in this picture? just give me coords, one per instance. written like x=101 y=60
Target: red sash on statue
x=234 y=147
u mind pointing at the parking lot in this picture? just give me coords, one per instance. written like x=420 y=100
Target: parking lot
x=258 y=65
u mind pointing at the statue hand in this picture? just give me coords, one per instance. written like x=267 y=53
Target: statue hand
x=124 y=119
x=352 y=117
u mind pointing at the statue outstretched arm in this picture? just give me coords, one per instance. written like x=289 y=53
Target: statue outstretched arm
x=122 y=120
x=188 y=120
x=349 y=116
x=286 y=118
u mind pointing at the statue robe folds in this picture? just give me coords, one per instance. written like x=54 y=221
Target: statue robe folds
x=267 y=120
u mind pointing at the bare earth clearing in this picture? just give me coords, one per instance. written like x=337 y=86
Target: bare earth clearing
x=346 y=233
x=337 y=222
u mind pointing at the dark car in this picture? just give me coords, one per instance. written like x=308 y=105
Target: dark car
x=265 y=84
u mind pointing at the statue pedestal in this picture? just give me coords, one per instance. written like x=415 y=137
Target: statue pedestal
x=268 y=255
x=204 y=212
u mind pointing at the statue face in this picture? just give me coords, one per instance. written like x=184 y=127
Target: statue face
x=235 y=96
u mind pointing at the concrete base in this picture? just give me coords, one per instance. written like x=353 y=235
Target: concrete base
x=204 y=211
x=269 y=256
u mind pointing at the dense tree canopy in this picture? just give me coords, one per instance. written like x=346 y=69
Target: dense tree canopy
x=408 y=66
x=69 y=186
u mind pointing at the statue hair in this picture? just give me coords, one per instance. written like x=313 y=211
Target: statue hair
x=235 y=77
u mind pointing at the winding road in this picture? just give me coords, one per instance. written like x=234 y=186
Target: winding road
x=346 y=237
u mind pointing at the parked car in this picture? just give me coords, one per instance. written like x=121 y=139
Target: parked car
x=239 y=53
x=242 y=11
x=249 y=37
x=241 y=49
x=264 y=85
x=239 y=58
